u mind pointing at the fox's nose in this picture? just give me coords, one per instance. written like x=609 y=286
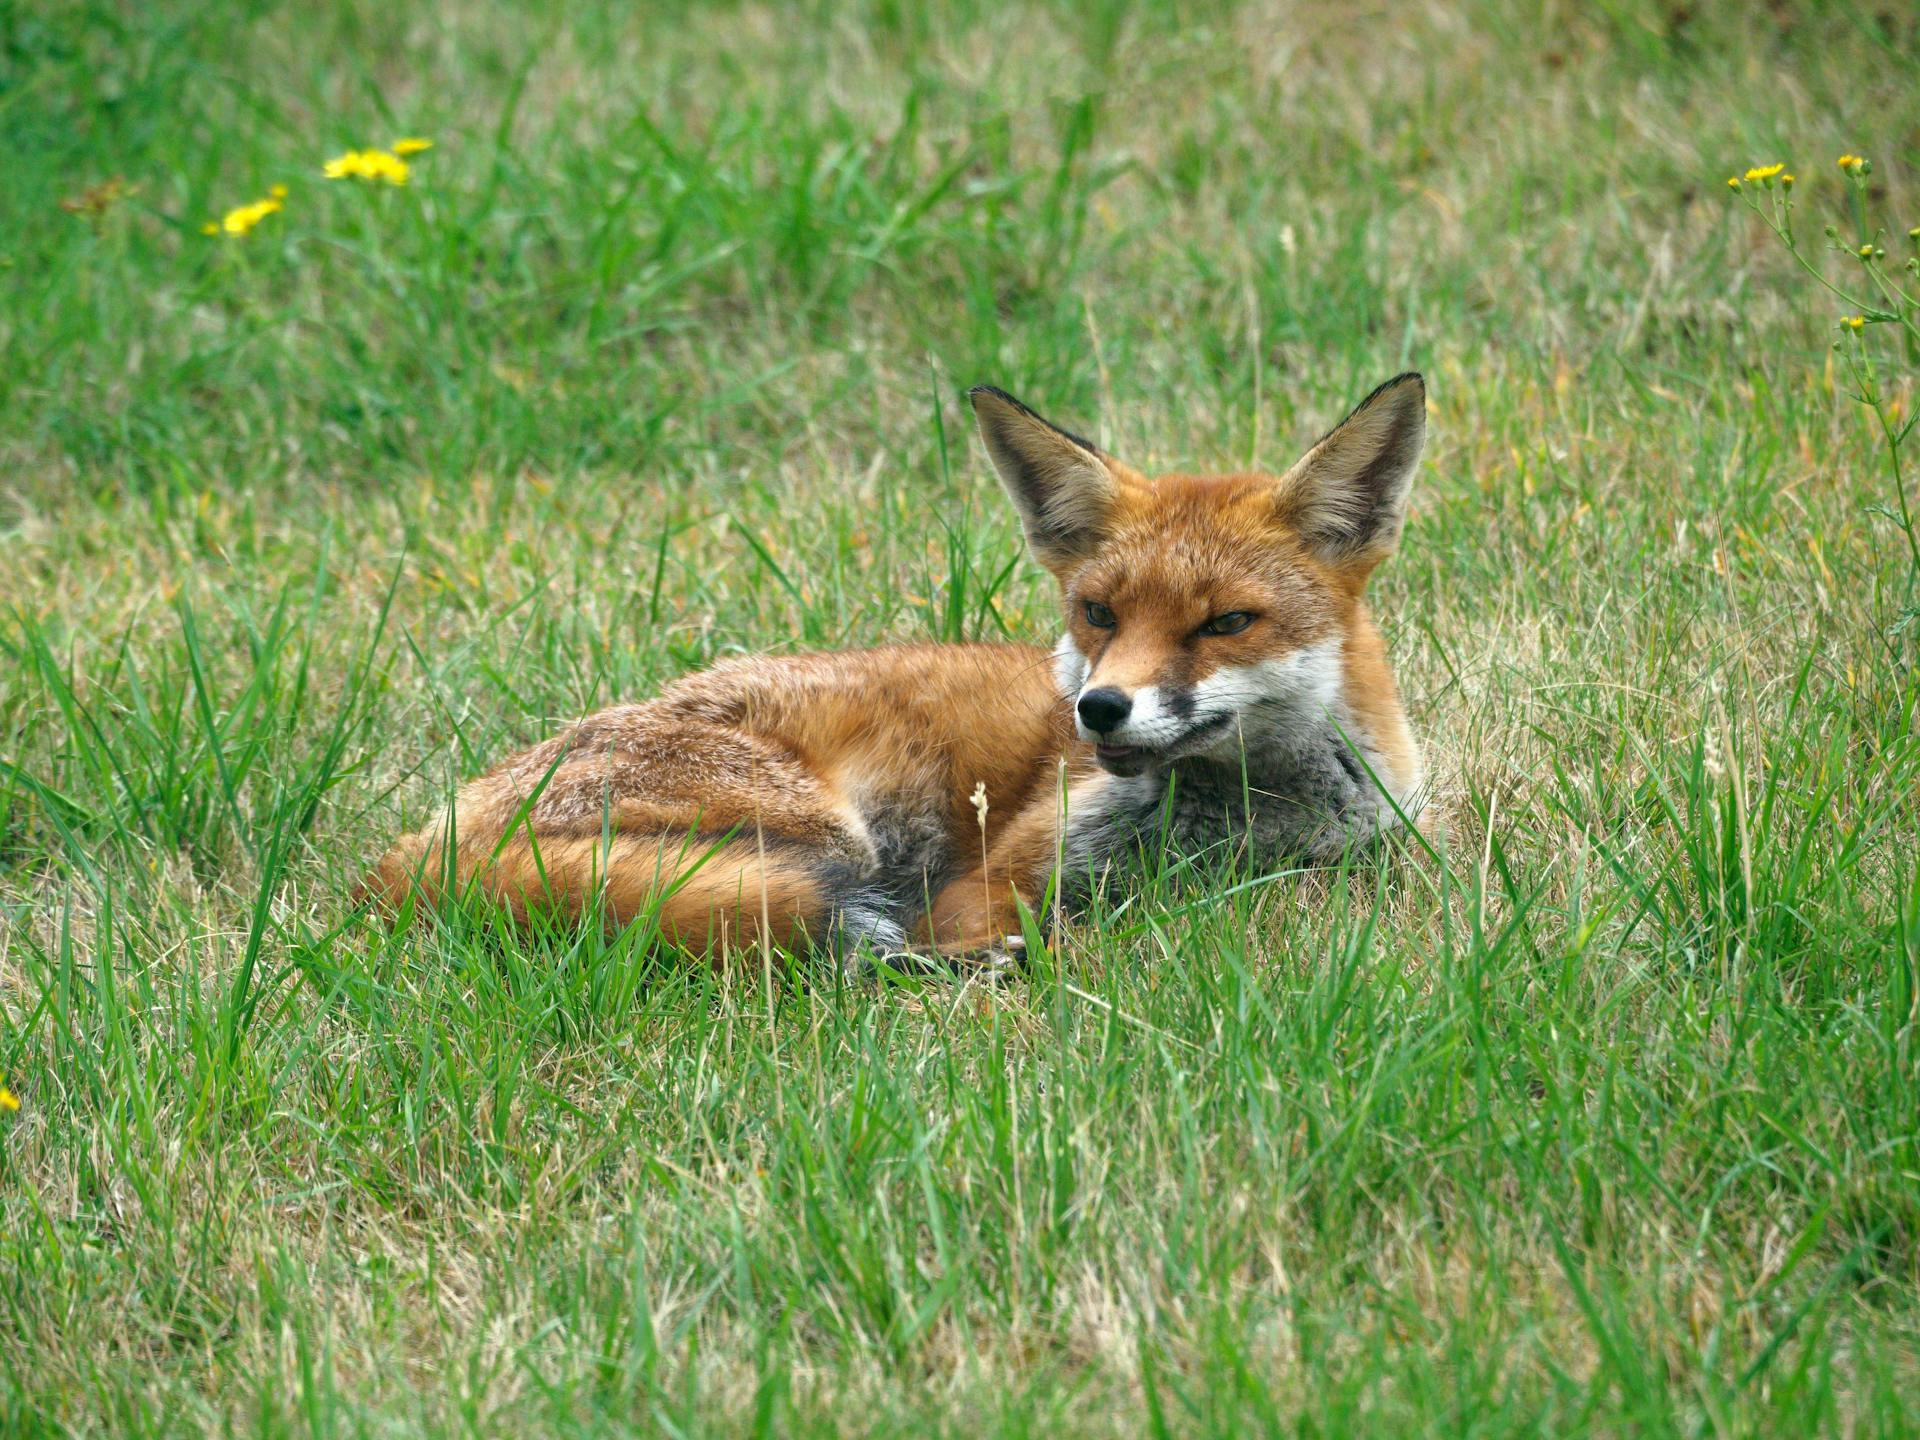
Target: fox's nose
x=1104 y=709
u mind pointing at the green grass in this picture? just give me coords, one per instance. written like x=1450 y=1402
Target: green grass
x=1604 y=1119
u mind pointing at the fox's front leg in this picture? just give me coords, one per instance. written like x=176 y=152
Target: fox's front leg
x=978 y=912
x=966 y=924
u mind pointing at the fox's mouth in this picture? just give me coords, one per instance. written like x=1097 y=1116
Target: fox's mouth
x=1126 y=760
x=1133 y=759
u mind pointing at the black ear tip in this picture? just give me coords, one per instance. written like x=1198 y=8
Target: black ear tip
x=1407 y=390
x=997 y=410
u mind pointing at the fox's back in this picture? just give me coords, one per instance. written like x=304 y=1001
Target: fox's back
x=877 y=731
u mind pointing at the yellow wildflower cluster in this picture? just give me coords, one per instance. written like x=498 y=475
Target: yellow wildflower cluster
x=243 y=218
x=1853 y=164
x=1762 y=175
x=1854 y=322
x=384 y=165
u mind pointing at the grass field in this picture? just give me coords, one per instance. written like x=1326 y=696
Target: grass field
x=1604 y=1117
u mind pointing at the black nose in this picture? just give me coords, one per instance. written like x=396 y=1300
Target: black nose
x=1104 y=710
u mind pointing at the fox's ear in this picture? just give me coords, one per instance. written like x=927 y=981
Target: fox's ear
x=1347 y=496
x=1060 y=484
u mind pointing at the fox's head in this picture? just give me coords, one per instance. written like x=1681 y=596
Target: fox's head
x=1206 y=613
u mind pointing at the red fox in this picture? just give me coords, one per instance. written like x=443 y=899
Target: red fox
x=1219 y=679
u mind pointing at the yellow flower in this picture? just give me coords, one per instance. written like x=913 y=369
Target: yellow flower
x=1866 y=252
x=412 y=145
x=1852 y=164
x=1853 y=322
x=1763 y=173
x=1733 y=182
x=241 y=219
x=239 y=222
x=367 y=165
x=1787 y=181
x=8 y=1100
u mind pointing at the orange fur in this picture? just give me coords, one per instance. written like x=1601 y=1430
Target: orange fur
x=799 y=799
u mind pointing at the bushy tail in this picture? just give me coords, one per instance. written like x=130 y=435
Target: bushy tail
x=704 y=895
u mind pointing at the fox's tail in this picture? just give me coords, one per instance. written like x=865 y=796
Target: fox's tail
x=705 y=895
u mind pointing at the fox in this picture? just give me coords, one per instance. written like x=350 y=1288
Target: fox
x=1218 y=682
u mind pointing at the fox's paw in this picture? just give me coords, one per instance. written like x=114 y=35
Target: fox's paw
x=988 y=963
x=994 y=964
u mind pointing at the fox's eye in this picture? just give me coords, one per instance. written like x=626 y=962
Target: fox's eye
x=1099 y=616
x=1231 y=623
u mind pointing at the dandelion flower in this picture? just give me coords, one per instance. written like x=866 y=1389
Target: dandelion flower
x=411 y=145
x=384 y=165
x=242 y=219
x=367 y=165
